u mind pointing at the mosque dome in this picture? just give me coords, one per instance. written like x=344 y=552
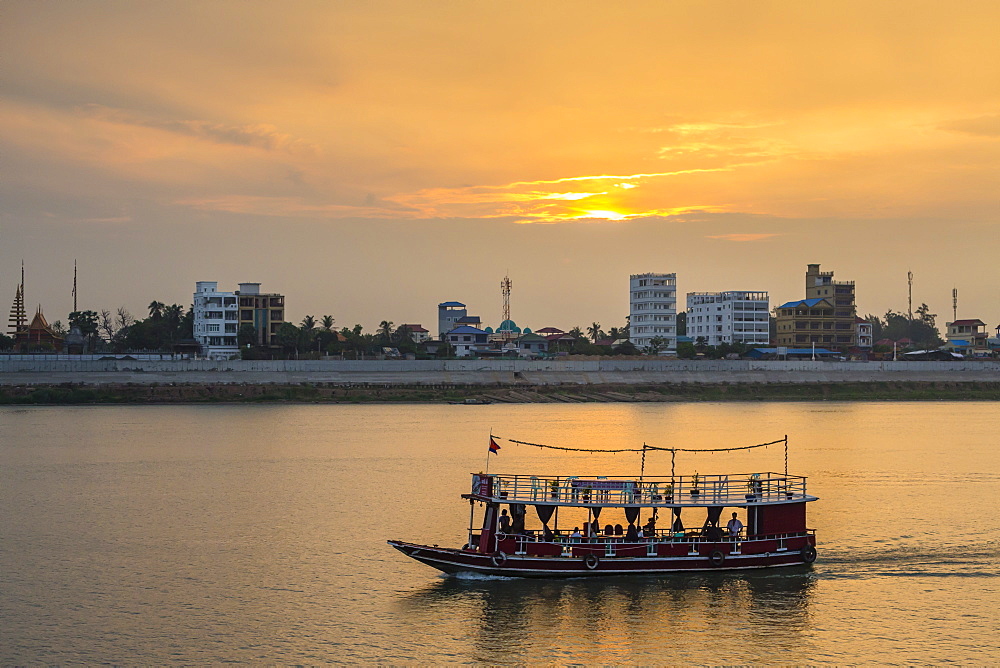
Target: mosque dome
x=508 y=326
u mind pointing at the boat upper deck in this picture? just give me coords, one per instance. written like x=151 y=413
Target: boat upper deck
x=741 y=489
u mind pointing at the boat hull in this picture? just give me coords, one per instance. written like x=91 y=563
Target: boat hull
x=451 y=560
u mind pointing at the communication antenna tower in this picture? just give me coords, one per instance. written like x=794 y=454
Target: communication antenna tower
x=74 y=287
x=954 y=304
x=909 y=307
x=505 y=291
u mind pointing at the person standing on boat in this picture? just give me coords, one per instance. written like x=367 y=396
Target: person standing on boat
x=734 y=526
x=504 y=522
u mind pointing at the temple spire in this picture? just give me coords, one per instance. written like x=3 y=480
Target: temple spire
x=18 y=318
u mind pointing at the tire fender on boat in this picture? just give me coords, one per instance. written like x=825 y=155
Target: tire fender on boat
x=808 y=554
x=717 y=558
x=499 y=559
x=591 y=561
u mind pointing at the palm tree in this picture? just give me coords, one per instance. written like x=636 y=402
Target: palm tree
x=327 y=322
x=402 y=334
x=385 y=330
x=156 y=310
x=594 y=331
x=308 y=323
x=173 y=312
x=172 y=317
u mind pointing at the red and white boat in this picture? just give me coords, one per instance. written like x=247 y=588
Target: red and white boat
x=770 y=528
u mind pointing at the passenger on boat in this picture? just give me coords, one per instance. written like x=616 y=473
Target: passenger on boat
x=576 y=533
x=650 y=527
x=734 y=526
x=504 y=522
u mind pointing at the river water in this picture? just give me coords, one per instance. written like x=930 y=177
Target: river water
x=210 y=534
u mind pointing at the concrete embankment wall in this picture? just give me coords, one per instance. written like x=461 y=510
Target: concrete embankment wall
x=487 y=372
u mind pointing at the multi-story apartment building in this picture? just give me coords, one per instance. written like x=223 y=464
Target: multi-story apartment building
x=735 y=316
x=216 y=319
x=449 y=313
x=863 y=330
x=265 y=311
x=825 y=317
x=653 y=310
x=968 y=337
x=219 y=315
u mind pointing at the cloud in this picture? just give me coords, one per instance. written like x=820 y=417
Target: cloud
x=258 y=135
x=290 y=206
x=608 y=197
x=983 y=126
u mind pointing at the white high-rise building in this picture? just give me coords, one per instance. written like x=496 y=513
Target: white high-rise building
x=729 y=317
x=653 y=310
x=216 y=319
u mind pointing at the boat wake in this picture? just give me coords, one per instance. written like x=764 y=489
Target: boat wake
x=476 y=577
x=948 y=561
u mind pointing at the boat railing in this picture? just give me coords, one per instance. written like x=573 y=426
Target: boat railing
x=707 y=490
x=660 y=537
x=565 y=544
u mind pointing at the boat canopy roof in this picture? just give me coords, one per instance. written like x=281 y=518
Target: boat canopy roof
x=740 y=489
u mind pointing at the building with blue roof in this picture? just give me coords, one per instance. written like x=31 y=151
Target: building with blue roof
x=827 y=316
x=467 y=341
x=449 y=314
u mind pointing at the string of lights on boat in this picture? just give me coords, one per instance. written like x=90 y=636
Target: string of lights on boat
x=645 y=447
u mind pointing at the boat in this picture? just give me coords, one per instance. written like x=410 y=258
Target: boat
x=768 y=530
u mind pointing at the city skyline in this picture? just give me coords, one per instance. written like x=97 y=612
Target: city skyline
x=371 y=161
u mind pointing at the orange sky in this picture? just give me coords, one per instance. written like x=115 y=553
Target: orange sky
x=372 y=159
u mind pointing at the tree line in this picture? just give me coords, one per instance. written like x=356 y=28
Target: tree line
x=922 y=329
x=120 y=331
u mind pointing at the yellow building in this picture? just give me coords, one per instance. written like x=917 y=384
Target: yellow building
x=826 y=317
x=265 y=311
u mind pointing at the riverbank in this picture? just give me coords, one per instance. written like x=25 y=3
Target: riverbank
x=205 y=393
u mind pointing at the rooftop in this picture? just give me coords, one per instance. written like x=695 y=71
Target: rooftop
x=808 y=302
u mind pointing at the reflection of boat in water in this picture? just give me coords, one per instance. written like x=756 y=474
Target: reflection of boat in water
x=775 y=532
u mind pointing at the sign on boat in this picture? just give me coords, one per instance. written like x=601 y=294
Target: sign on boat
x=775 y=533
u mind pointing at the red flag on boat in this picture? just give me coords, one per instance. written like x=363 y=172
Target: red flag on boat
x=494 y=448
